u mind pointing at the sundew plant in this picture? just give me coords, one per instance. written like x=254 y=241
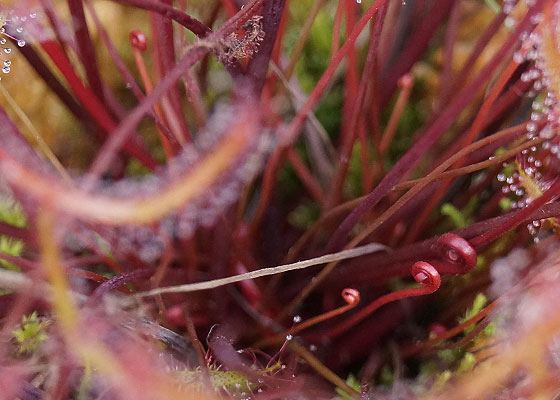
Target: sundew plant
x=274 y=199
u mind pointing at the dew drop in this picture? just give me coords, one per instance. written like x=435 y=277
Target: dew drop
x=6 y=70
x=3 y=41
x=289 y=337
x=19 y=29
x=33 y=15
x=7 y=63
x=297 y=319
x=509 y=22
x=358 y=1
x=535 y=19
x=519 y=192
x=501 y=177
x=7 y=50
x=518 y=57
x=509 y=179
x=21 y=43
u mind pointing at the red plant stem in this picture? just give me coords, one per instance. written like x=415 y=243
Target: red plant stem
x=55 y=22
x=258 y=65
x=267 y=186
x=302 y=38
x=484 y=39
x=70 y=270
x=249 y=289
x=199 y=348
x=416 y=347
x=446 y=81
x=171 y=103
x=90 y=102
x=450 y=254
x=405 y=84
x=466 y=140
x=86 y=52
x=194 y=98
x=192 y=24
x=415 y=47
x=423 y=273
x=431 y=135
x=336 y=29
x=117 y=282
x=121 y=66
x=229 y=6
x=120 y=135
x=367 y=176
x=518 y=218
x=370 y=69
x=15 y=232
x=512 y=96
x=306 y=177
x=278 y=43
x=350 y=296
x=479 y=228
x=293 y=129
x=350 y=89
x=138 y=44
x=54 y=84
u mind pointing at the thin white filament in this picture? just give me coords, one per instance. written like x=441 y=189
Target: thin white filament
x=212 y=284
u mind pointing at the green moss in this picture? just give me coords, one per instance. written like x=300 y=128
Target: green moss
x=304 y=215
x=12 y=214
x=353 y=183
x=479 y=303
x=458 y=219
x=351 y=381
x=386 y=376
x=505 y=204
x=30 y=334
x=233 y=382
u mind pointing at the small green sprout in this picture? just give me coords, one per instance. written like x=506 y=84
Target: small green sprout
x=11 y=213
x=232 y=382
x=354 y=383
x=30 y=334
x=479 y=303
x=455 y=215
